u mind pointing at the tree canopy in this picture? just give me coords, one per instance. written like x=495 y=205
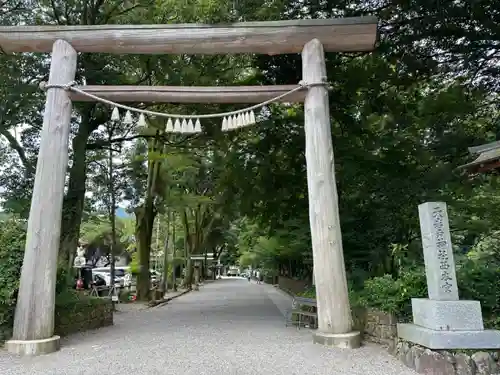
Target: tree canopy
x=402 y=119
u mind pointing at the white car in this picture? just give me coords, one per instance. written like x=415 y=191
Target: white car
x=105 y=273
x=123 y=277
x=106 y=277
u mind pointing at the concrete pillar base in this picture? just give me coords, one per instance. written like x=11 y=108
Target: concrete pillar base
x=33 y=347
x=350 y=340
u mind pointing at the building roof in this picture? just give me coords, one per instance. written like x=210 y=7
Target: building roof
x=488 y=158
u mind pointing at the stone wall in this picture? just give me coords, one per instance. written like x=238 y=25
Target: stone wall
x=426 y=361
x=291 y=285
x=376 y=326
x=71 y=316
x=380 y=327
x=82 y=315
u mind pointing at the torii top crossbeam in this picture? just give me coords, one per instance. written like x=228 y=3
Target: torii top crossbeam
x=276 y=37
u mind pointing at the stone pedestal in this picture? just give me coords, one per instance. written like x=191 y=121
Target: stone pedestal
x=448 y=325
x=33 y=347
x=351 y=340
x=447 y=315
x=433 y=339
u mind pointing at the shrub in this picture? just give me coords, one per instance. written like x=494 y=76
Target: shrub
x=71 y=298
x=477 y=280
x=386 y=293
x=12 y=242
x=393 y=295
x=12 y=239
x=76 y=312
x=480 y=280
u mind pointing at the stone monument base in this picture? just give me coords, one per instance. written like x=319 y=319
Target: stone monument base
x=350 y=340
x=433 y=339
x=459 y=315
x=33 y=347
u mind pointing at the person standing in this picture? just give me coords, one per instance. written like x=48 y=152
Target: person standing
x=257 y=276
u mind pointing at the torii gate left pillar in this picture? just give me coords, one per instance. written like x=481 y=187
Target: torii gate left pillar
x=34 y=319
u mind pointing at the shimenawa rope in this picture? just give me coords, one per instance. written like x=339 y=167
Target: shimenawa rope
x=231 y=120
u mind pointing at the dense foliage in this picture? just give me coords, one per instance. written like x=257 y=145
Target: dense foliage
x=12 y=237
x=402 y=120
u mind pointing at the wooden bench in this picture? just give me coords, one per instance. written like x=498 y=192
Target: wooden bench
x=297 y=309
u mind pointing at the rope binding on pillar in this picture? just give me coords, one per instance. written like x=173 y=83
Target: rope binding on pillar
x=186 y=124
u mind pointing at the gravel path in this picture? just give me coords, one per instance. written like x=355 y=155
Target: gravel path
x=229 y=327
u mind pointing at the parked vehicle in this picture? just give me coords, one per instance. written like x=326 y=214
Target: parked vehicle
x=105 y=273
x=233 y=271
x=123 y=277
x=106 y=276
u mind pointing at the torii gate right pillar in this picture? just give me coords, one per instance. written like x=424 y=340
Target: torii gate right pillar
x=334 y=311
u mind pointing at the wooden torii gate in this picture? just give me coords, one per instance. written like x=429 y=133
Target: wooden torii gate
x=34 y=318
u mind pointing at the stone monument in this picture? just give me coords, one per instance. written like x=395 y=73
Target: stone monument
x=443 y=321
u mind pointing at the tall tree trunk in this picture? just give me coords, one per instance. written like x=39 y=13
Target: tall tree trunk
x=145 y=216
x=189 y=274
x=164 y=279
x=75 y=197
x=174 y=264
x=188 y=250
